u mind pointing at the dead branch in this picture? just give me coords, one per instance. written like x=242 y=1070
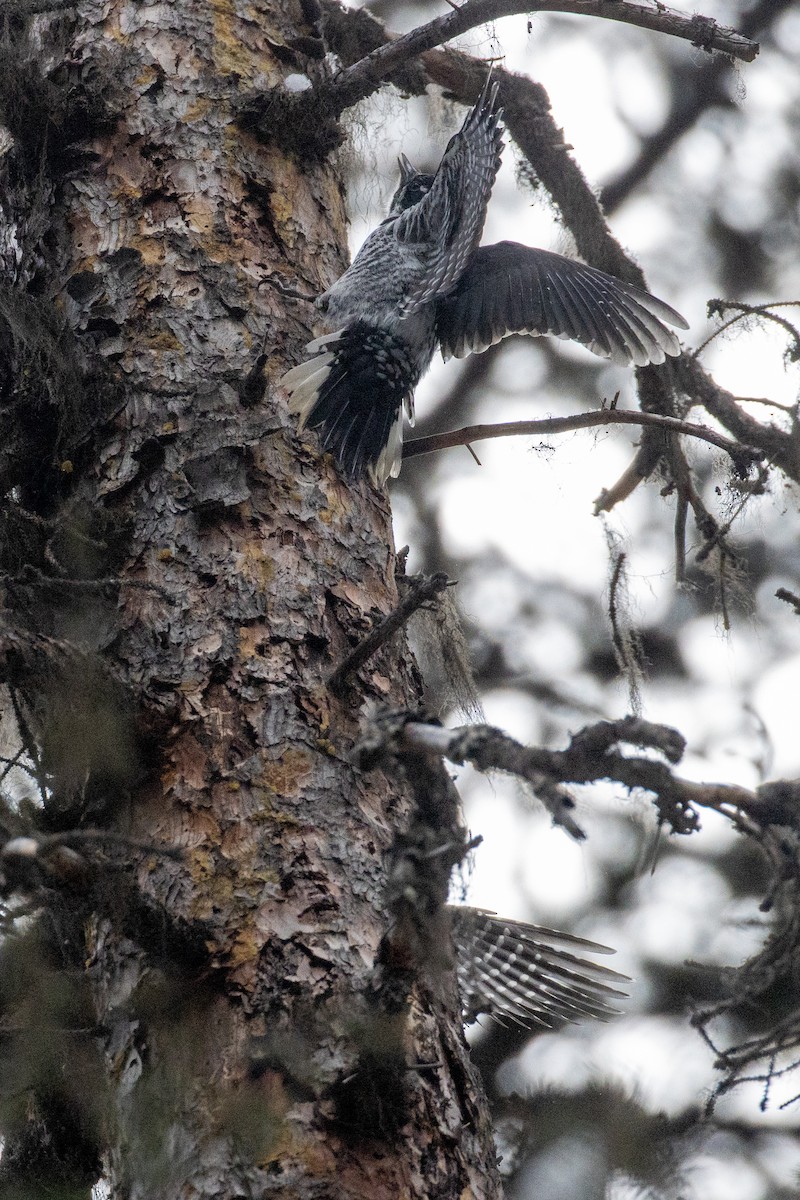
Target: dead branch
x=777 y=444
x=490 y=749
x=594 y=754
x=742 y=456
x=30 y=575
x=424 y=589
x=314 y=113
x=789 y=598
x=365 y=76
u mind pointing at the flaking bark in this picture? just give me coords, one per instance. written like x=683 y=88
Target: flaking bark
x=171 y=242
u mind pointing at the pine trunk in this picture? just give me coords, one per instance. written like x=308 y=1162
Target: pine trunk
x=230 y=1023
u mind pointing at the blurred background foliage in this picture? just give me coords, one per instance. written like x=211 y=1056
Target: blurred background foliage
x=697 y=163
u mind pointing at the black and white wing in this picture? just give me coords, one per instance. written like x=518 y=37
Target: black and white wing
x=508 y=288
x=448 y=221
x=520 y=972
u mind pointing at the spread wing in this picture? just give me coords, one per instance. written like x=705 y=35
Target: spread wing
x=449 y=218
x=524 y=973
x=509 y=288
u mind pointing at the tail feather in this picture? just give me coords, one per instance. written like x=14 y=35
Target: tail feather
x=353 y=395
x=305 y=383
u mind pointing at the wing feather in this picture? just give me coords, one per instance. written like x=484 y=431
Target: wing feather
x=449 y=219
x=528 y=974
x=508 y=288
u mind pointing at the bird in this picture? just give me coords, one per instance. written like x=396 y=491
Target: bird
x=421 y=281
x=526 y=974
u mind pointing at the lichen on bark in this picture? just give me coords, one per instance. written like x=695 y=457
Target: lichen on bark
x=247 y=568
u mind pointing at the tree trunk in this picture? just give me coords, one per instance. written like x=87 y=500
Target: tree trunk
x=231 y=986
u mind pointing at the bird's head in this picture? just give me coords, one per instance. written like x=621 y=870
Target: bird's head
x=413 y=186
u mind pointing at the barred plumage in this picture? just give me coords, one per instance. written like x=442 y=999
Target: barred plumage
x=508 y=288
x=420 y=281
x=524 y=973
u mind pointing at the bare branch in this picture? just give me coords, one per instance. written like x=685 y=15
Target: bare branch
x=592 y=755
x=426 y=588
x=789 y=598
x=361 y=79
x=742 y=456
x=33 y=576
x=626 y=485
x=777 y=444
x=490 y=749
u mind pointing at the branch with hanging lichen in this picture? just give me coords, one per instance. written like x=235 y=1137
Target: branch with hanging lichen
x=593 y=754
x=315 y=111
x=365 y=76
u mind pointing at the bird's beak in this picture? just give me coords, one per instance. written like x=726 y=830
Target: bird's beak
x=406 y=170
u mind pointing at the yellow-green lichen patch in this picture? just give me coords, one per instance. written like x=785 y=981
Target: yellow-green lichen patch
x=256 y=565
x=200 y=864
x=231 y=55
x=245 y=947
x=286 y=775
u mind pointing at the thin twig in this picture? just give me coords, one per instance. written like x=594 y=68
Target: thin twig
x=424 y=589
x=589 y=420
x=742 y=312
x=31 y=574
x=10 y=763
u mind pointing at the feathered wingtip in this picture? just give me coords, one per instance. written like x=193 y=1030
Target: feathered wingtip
x=487 y=112
x=486 y=104
x=508 y=288
x=530 y=975
x=352 y=394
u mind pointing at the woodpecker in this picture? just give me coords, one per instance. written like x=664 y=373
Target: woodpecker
x=530 y=975
x=420 y=281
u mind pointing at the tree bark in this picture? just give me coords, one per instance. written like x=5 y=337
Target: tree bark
x=234 y=999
